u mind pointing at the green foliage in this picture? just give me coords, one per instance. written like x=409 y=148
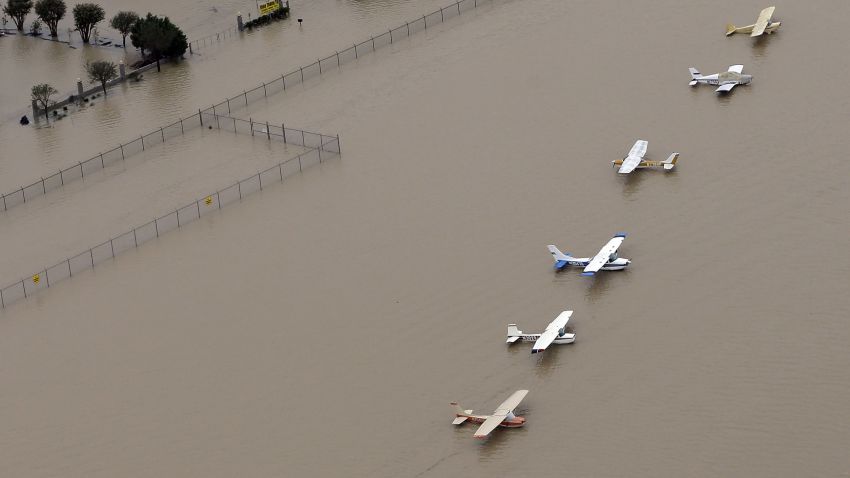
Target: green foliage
x=35 y=28
x=265 y=19
x=41 y=94
x=158 y=37
x=18 y=10
x=123 y=22
x=50 y=11
x=86 y=16
x=102 y=72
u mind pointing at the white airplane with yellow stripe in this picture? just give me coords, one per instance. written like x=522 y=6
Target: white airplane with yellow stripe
x=634 y=160
x=761 y=26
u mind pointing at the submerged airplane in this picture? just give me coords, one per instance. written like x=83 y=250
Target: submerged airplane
x=556 y=332
x=606 y=259
x=502 y=417
x=761 y=26
x=727 y=80
x=635 y=159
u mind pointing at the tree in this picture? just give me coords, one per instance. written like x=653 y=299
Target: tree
x=123 y=22
x=86 y=16
x=101 y=71
x=159 y=37
x=41 y=94
x=18 y=10
x=51 y=11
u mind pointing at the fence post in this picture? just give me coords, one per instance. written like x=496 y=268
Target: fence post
x=303 y=141
x=302 y=74
x=426 y=21
x=91 y=255
x=112 y=246
x=280 y=170
x=282 y=128
x=82 y=173
x=24 y=193
x=355 y=51
x=44 y=190
x=182 y=131
x=156 y=226
x=268 y=131
x=391 y=36
x=5 y=208
x=69 y=267
x=201 y=117
x=299 y=163
x=337 y=59
x=24 y=286
x=198 y=205
x=239 y=186
x=218 y=125
x=320 y=65
x=122 y=151
x=162 y=133
x=46 y=277
x=251 y=124
x=177 y=211
x=101 y=162
x=458 y=7
x=283 y=80
x=373 y=43
x=228 y=106
x=2 y=301
x=265 y=92
x=338 y=147
x=218 y=199
x=319 y=149
x=441 y=15
x=246 y=97
x=135 y=239
x=143 y=142
x=261 y=181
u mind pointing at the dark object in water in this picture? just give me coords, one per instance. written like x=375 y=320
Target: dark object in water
x=300 y=20
x=24 y=120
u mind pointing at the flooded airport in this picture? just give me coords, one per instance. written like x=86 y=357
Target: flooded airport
x=321 y=326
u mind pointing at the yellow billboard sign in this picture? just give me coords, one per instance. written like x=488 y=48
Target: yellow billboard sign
x=269 y=7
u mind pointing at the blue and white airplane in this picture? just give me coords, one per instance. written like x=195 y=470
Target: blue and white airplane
x=606 y=259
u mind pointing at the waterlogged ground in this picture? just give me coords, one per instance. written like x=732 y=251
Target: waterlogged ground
x=322 y=327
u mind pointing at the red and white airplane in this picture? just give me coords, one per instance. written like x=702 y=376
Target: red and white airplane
x=502 y=417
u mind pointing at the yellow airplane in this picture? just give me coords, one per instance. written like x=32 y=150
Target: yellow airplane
x=762 y=25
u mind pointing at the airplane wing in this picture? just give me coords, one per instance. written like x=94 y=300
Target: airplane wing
x=763 y=20
x=601 y=258
x=737 y=69
x=552 y=331
x=726 y=87
x=500 y=414
x=635 y=155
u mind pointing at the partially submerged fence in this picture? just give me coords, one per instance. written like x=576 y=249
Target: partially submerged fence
x=212 y=39
x=346 y=55
x=146 y=141
x=325 y=148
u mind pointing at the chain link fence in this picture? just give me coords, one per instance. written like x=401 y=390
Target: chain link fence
x=146 y=141
x=321 y=148
x=346 y=55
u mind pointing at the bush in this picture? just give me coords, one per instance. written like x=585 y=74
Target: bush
x=266 y=19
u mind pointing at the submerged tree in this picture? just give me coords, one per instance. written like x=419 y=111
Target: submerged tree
x=101 y=71
x=18 y=10
x=86 y=16
x=51 y=11
x=41 y=94
x=123 y=22
x=159 y=38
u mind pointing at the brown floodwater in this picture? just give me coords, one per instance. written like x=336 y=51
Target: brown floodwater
x=320 y=327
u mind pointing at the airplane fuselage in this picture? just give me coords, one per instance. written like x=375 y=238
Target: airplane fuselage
x=643 y=164
x=724 y=78
x=510 y=422
x=770 y=28
x=616 y=265
x=563 y=339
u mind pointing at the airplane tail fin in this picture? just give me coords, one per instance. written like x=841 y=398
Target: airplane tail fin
x=670 y=162
x=561 y=259
x=457 y=408
x=694 y=75
x=730 y=29
x=513 y=333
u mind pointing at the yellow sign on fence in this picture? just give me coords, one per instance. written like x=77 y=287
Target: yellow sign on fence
x=208 y=200
x=36 y=279
x=268 y=7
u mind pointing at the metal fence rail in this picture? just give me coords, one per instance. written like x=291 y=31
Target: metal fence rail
x=123 y=151
x=325 y=147
x=212 y=39
x=346 y=55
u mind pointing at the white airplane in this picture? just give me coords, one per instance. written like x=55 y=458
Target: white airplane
x=556 y=332
x=606 y=259
x=761 y=26
x=502 y=417
x=727 y=80
x=635 y=159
